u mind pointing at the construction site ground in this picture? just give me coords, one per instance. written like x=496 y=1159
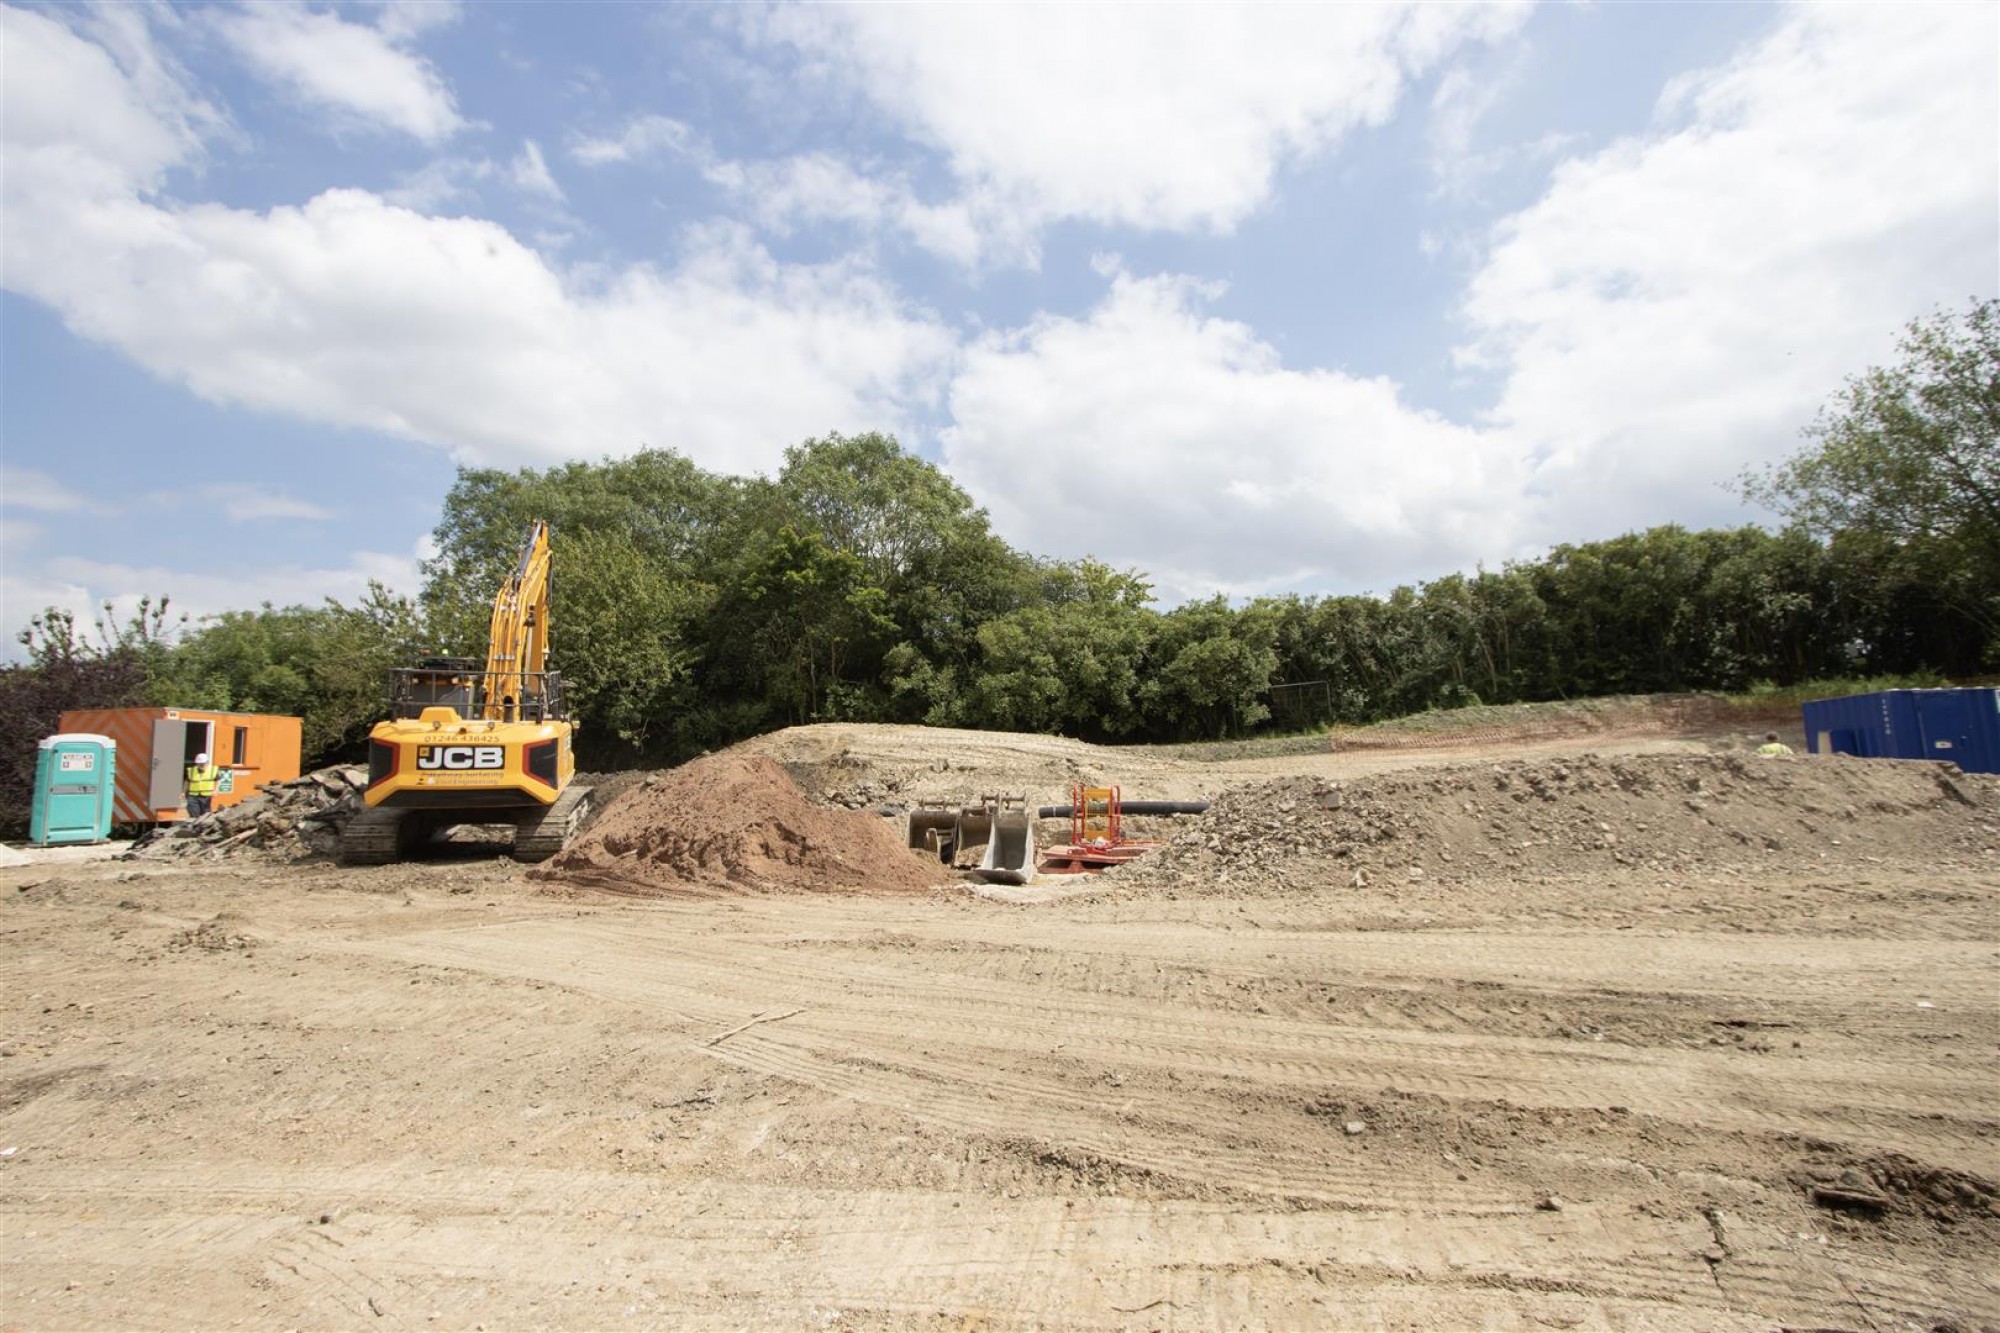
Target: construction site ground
x=1617 y=1030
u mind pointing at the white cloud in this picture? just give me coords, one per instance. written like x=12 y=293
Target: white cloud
x=1152 y=434
x=1171 y=117
x=244 y=503
x=78 y=120
x=456 y=184
x=82 y=586
x=1673 y=309
x=1462 y=100
x=26 y=488
x=780 y=194
x=403 y=20
x=530 y=173
x=1678 y=305
x=789 y=192
x=351 y=310
x=442 y=184
x=645 y=137
x=359 y=73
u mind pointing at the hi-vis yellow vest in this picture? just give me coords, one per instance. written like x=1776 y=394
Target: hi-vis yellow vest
x=202 y=779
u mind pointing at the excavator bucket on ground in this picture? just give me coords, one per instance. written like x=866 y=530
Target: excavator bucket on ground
x=1010 y=843
x=1001 y=828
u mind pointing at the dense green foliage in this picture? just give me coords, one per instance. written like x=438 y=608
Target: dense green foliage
x=862 y=583
x=1904 y=478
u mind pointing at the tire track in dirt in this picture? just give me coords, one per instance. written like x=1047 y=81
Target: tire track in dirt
x=409 y=1251
x=1178 y=1146
x=1717 y=967
x=1863 y=1101
x=1387 y=998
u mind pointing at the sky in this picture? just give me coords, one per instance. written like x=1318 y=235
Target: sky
x=1254 y=299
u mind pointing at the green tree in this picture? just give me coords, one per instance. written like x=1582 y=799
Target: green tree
x=1909 y=455
x=681 y=520
x=807 y=607
x=1208 y=670
x=623 y=634
x=919 y=538
x=1910 y=450
x=1070 y=665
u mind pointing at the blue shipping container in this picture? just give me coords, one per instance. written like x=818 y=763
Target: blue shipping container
x=1962 y=726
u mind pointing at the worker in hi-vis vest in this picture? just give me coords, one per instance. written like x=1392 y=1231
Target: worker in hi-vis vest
x=1772 y=745
x=202 y=780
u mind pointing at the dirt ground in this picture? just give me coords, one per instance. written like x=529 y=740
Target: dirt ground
x=1602 y=1033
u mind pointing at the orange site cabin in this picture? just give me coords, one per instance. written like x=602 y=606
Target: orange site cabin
x=156 y=745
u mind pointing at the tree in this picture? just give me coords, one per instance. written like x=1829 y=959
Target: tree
x=1909 y=454
x=1209 y=669
x=680 y=519
x=1911 y=450
x=807 y=606
x=919 y=538
x=622 y=631
x=1068 y=662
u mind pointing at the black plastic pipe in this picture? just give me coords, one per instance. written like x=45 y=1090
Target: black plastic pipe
x=1132 y=808
x=1065 y=812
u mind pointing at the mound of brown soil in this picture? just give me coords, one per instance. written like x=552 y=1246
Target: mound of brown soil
x=1587 y=815
x=737 y=822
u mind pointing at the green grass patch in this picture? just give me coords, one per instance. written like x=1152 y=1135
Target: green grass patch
x=1248 y=747
x=1764 y=696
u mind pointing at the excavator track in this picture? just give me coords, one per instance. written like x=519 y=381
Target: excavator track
x=374 y=837
x=543 y=833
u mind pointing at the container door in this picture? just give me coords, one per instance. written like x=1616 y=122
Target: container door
x=1943 y=722
x=163 y=791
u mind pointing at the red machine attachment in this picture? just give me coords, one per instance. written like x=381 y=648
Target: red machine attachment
x=1097 y=838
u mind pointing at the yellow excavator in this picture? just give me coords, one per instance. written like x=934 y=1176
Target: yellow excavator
x=470 y=746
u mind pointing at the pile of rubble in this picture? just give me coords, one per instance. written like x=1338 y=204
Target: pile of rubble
x=1588 y=815
x=291 y=821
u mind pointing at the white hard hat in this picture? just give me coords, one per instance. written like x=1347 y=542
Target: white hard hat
x=201 y=759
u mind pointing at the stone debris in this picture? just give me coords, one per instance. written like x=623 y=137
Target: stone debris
x=292 y=821
x=1687 y=815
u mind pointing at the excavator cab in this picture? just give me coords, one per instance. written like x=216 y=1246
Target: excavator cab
x=434 y=682
x=458 y=684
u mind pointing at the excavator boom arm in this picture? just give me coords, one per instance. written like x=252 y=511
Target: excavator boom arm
x=517 y=649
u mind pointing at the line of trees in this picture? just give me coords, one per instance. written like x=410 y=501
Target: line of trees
x=861 y=583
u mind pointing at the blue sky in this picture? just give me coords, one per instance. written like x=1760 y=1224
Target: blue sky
x=1255 y=299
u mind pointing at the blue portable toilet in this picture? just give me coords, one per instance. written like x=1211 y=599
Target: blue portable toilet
x=1961 y=726
x=76 y=781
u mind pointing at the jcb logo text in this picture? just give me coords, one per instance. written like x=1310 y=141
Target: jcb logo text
x=461 y=756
